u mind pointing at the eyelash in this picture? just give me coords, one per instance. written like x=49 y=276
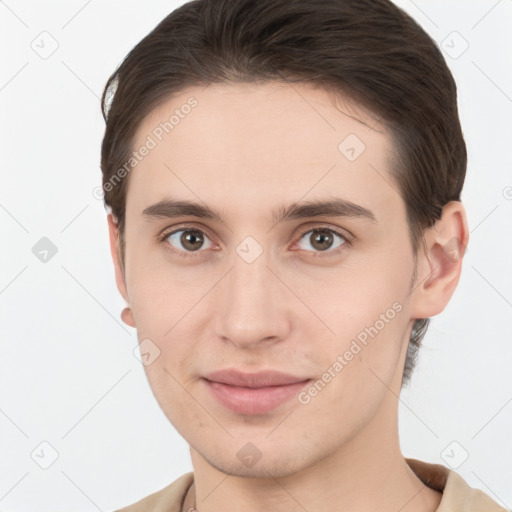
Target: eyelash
x=188 y=254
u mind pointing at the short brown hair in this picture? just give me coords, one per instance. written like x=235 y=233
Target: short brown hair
x=369 y=50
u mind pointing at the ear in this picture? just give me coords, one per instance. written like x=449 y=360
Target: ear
x=113 y=231
x=440 y=262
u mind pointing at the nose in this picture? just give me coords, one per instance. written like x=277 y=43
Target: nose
x=252 y=304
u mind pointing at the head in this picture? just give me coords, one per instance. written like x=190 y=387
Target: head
x=251 y=109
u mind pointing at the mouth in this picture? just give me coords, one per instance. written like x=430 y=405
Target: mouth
x=253 y=393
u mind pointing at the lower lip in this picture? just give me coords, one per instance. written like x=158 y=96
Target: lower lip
x=253 y=400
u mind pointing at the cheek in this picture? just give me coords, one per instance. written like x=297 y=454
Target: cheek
x=365 y=307
x=169 y=391
x=355 y=296
x=358 y=364
x=169 y=373
x=158 y=298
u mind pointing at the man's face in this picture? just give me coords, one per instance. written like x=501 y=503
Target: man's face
x=252 y=292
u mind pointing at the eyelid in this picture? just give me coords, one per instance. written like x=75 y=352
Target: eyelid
x=186 y=226
x=344 y=233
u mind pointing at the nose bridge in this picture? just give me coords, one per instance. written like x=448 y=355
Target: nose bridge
x=251 y=305
x=250 y=273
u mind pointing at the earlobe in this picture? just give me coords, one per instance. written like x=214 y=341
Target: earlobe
x=440 y=261
x=127 y=317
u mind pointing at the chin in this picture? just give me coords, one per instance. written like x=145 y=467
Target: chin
x=270 y=469
x=273 y=464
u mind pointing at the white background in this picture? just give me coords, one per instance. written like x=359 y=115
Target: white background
x=68 y=373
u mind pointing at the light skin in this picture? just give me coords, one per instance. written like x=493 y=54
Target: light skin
x=244 y=151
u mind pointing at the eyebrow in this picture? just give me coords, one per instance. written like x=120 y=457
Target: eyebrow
x=334 y=207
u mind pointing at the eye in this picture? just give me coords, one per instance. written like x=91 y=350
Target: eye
x=322 y=240
x=187 y=240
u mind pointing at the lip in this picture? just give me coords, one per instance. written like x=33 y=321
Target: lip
x=253 y=393
x=259 y=379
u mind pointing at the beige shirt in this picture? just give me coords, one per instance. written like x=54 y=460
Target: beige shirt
x=458 y=496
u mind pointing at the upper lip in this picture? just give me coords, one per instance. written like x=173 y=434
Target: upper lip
x=253 y=380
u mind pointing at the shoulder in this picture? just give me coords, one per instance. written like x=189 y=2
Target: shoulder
x=458 y=496
x=168 y=499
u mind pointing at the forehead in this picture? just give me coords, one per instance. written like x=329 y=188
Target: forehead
x=262 y=143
